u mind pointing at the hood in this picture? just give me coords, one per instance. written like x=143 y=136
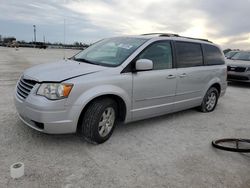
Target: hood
x=238 y=63
x=60 y=71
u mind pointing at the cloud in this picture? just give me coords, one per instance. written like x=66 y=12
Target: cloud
x=18 y=17
x=228 y=20
x=135 y=17
x=228 y=17
x=222 y=21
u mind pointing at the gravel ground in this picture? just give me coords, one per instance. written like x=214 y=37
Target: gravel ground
x=168 y=151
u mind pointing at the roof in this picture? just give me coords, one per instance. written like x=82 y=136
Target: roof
x=172 y=35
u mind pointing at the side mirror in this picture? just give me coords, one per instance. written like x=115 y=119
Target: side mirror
x=143 y=65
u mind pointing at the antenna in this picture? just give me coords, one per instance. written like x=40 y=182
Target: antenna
x=64 y=38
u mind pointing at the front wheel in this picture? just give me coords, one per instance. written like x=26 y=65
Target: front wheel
x=210 y=100
x=99 y=121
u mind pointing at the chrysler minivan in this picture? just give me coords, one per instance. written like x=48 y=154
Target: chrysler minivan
x=121 y=79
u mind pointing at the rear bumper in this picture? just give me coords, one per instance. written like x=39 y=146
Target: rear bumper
x=52 y=121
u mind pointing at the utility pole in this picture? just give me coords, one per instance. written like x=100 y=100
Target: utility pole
x=34 y=33
x=64 y=22
x=64 y=30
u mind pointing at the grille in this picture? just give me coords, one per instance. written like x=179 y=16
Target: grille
x=237 y=77
x=236 y=69
x=24 y=87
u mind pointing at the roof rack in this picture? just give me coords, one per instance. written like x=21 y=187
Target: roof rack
x=175 y=35
x=163 y=34
x=206 y=40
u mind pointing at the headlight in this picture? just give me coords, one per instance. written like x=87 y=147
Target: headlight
x=54 y=91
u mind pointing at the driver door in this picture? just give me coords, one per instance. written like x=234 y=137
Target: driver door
x=154 y=90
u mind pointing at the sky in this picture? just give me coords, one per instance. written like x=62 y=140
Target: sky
x=221 y=21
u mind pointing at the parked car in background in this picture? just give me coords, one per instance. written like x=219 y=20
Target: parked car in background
x=230 y=54
x=121 y=79
x=239 y=67
x=13 y=44
x=40 y=45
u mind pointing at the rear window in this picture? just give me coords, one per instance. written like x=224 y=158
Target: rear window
x=213 y=55
x=188 y=54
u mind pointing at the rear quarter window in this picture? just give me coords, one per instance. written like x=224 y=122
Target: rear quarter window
x=213 y=55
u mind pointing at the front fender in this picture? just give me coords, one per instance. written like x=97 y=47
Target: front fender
x=102 y=90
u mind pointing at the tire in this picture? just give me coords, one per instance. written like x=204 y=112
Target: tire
x=223 y=144
x=212 y=95
x=97 y=120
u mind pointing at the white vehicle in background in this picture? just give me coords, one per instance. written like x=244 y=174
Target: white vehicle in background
x=121 y=79
x=239 y=67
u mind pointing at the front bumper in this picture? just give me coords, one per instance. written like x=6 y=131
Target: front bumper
x=238 y=76
x=47 y=116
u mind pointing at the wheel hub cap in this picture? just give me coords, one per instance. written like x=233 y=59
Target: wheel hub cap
x=106 y=122
x=211 y=100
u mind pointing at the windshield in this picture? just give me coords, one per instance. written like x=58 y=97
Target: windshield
x=245 y=56
x=110 y=52
x=230 y=54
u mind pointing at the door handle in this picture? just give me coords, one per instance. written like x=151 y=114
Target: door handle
x=183 y=75
x=171 y=76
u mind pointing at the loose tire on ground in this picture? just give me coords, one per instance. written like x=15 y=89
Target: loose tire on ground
x=232 y=144
x=95 y=114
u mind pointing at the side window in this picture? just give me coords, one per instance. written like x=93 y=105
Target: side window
x=160 y=53
x=213 y=55
x=188 y=54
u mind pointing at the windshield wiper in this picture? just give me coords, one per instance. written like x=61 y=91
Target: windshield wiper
x=84 y=60
x=88 y=61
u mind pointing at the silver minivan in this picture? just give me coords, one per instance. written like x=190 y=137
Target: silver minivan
x=238 y=67
x=121 y=79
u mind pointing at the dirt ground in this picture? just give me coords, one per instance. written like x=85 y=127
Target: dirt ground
x=168 y=151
